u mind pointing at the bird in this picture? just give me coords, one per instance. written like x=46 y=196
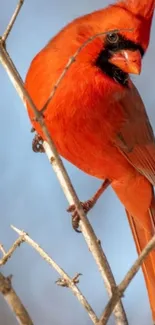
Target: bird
x=97 y=118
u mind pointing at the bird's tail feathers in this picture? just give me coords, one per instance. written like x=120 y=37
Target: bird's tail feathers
x=142 y=237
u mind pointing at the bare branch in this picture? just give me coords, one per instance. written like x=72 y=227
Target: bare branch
x=7 y=255
x=70 y=283
x=2 y=249
x=12 y=21
x=124 y=284
x=66 y=185
x=13 y=301
x=7 y=290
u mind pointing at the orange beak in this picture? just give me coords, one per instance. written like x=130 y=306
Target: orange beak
x=128 y=61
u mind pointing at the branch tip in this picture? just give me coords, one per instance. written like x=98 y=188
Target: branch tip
x=12 y=21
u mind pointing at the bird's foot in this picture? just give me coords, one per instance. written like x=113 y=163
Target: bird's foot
x=87 y=206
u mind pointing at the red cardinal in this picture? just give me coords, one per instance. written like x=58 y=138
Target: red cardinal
x=97 y=118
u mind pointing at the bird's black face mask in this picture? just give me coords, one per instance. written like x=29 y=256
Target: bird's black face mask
x=119 y=58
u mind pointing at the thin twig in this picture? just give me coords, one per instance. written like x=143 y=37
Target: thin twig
x=126 y=281
x=72 y=59
x=7 y=255
x=66 y=185
x=13 y=301
x=2 y=249
x=12 y=21
x=70 y=283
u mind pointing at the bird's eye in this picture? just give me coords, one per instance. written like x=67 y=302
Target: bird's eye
x=112 y=38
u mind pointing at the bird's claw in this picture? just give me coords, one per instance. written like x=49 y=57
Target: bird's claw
x=37 y=144
x=87 y=205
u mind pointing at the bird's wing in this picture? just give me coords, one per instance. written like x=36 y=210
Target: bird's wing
x=136 y=140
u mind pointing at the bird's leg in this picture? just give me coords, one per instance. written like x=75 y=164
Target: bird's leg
x=87 y=205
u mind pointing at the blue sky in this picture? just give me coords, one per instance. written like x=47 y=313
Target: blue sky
x=31 y=198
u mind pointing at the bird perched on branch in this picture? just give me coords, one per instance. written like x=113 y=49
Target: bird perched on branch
x=97 y=118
